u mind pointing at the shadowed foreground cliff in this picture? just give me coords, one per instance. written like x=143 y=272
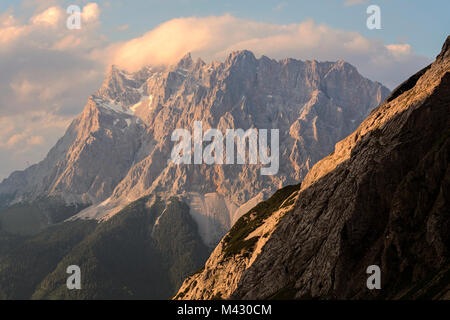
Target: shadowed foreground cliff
x=381 y=198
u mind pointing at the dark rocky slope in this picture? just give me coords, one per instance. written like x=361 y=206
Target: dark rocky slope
x=380 y=198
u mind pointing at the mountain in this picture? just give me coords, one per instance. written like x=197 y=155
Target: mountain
x=381 y=198
x=117 y=150
x=106 y=198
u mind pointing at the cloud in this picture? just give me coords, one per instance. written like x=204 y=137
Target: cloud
x=52 y=16
x=23 y=139
x=45 y=65
x=213 y=38
x=91 y=12
x=400 y=50
x=35 y=141
x=26 y=138
x=47 y=75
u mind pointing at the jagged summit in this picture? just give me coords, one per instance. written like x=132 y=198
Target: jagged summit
x=239 y=56
x=117 y=150
x=186 y=62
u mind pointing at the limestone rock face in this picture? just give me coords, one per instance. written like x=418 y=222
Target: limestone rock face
x=117 y=150
x=87 y=163
x=381 y=198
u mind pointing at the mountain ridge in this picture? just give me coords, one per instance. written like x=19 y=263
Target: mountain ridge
x=116 y=151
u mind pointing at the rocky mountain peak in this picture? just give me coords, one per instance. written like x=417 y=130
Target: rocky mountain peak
x=242 y=92
x=185 y=62
x=240 y=57
x=117 y=151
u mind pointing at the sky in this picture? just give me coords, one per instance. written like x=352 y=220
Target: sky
x=47 y=72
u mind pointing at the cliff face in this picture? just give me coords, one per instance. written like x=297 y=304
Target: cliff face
x=381 y=198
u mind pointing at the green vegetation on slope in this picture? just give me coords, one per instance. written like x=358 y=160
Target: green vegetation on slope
x=178 y=241
x=25 y=261
x=235 y=241
x=31 y=218
x=143 y=252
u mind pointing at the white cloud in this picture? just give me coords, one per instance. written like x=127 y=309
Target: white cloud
x=400 y=50
x=23 y=88
x=52 y=17
x=91 y=12
x=47 y=75
x=23 y=140
x=7 y=19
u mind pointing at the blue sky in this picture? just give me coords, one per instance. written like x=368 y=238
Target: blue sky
x=47 y=72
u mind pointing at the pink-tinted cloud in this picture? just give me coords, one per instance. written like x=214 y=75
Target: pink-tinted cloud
x=46 y=76
x=213 y=38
